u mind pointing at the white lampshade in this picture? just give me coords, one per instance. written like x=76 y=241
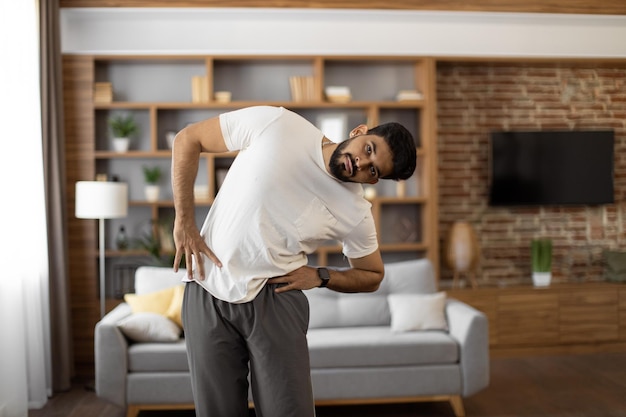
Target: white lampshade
x=101 y=199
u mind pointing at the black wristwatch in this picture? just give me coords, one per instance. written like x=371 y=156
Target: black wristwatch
x=324 y=276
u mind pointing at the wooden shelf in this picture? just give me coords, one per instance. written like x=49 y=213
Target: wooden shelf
x=132 y=154
x=400 y=200
x=128 y=253
x=413 y=104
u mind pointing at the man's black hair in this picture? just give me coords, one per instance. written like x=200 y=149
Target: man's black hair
x=402 y=147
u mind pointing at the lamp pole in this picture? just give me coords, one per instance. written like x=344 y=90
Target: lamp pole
x=102 y=277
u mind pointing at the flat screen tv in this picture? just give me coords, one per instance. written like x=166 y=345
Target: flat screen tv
x=529 y=168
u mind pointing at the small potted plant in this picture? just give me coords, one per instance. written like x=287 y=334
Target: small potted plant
x=541 y=257
x=123 y=127
x=158 y=242
x=152 y=175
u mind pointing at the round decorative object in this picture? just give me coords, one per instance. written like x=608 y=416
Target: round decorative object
x=462 y=252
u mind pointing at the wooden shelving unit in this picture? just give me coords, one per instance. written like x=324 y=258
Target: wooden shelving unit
x=156 y=90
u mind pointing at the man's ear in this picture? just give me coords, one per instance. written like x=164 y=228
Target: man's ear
x=359 y=130
x=374 y=181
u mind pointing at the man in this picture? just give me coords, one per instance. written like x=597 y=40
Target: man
x=289 y=190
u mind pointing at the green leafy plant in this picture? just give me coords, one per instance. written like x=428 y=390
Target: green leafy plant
x=151 y=244
x=541 y=255
x=123 y=126
x=150 y=241
x=152 y=175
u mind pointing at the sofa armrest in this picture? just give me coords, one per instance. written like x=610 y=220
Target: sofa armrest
x=111 y=356
x=470 y=328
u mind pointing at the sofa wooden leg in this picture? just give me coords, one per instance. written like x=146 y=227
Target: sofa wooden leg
x=132 y=411
x=457 y=405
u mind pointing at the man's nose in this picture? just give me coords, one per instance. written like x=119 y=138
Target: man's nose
x=361 y=165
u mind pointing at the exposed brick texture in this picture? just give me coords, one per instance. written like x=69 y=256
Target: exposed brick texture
x=475 y=99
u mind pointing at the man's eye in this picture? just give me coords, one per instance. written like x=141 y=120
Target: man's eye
x=368 y=148
x=373 y=171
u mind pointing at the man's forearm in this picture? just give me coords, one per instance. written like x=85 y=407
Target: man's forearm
x=351 y=280
x=365 y=275
x=203 y=136
x=185 y=162
x=355 y=280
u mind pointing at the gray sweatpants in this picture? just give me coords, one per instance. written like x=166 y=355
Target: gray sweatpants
x=268 y=334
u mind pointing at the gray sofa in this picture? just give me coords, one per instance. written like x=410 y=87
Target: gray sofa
x=357 y=353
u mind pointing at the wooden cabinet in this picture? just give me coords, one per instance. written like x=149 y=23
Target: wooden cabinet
x=528 y=318
x=559 y=319
x=589 y=316
x=157 y=92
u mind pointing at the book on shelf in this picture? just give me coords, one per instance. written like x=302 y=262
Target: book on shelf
x=103 y=92
x=200 y=89
x=302 y=88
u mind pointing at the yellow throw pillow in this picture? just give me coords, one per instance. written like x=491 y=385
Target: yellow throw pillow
x=173 y=312
x=154 y=302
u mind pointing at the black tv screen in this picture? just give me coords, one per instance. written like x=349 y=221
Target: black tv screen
x=551 y=168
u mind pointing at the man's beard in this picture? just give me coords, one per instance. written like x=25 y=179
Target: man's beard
x=337 y=165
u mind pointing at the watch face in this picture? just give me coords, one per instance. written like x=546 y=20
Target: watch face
x=324 y=276
x=323 y=273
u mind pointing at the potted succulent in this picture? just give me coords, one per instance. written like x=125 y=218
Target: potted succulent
x=541 y=257
x=152 y=175
x=123 y=127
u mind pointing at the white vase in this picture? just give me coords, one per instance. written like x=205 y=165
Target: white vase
x=152 y=192
x=542 y=279
x=121 y=144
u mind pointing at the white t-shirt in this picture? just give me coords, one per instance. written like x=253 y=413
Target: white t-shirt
x=277 y=204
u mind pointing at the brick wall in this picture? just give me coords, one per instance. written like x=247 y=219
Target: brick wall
x=475 y=99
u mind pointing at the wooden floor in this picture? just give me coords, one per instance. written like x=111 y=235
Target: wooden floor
x=556 y=386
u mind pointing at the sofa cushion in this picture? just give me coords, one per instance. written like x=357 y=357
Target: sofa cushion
x=154 y=278
x=379 y=346
x=174 y=310
x=154 y=302
x=410 y=312
x=157 y=357
x=333 y=309
x=408 y=277
x=149 y=327
x=386 y=382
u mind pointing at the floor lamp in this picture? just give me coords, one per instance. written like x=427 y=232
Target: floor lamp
x=101 y=200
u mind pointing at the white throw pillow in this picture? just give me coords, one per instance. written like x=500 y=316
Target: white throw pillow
x=149 y=327
x=417 y=312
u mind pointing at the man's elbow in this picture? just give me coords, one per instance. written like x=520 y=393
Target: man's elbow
x=374 y=284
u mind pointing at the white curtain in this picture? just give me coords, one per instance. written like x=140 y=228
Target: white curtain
x=24 y=323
